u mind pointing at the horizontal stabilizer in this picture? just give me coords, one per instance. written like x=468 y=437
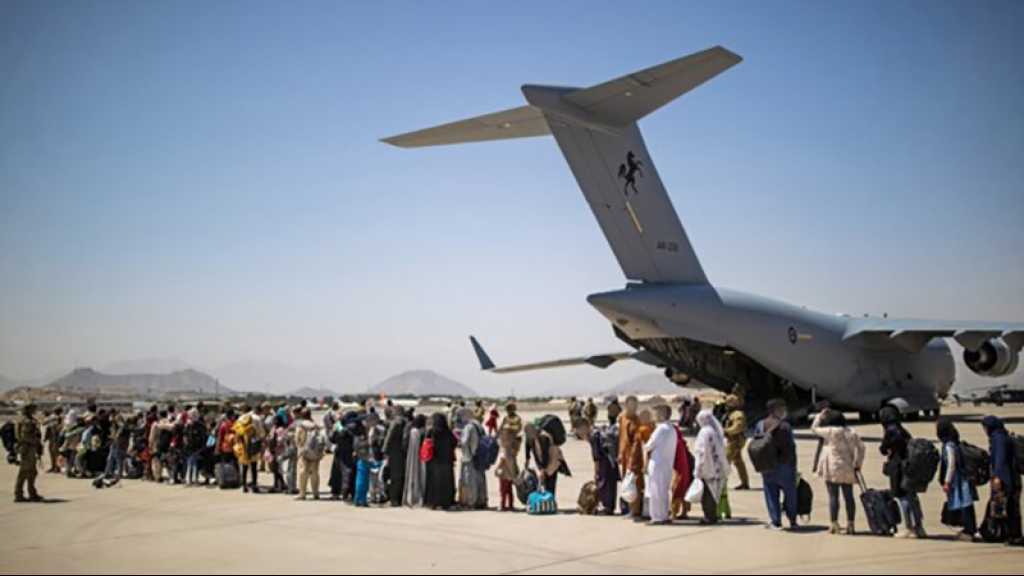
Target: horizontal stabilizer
x=597 y=360
x=521 y=122
x=627 y=99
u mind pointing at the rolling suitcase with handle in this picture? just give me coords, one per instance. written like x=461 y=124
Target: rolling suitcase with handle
x=880 y=509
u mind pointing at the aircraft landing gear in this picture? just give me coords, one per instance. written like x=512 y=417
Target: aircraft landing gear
x=867 y=417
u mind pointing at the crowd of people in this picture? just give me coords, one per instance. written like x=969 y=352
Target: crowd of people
x=643 y=465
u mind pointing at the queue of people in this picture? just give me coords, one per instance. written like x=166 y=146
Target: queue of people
x=643 y=466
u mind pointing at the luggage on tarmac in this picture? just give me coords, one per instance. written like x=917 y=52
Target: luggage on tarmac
x=880 y=508
x=541 y=503
x=804 y=499
x=525 y=484
x=226 y=474
x=587 y=503
x=921 y=465
x=995 y=527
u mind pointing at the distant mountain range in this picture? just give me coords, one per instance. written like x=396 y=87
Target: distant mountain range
x=307 y=392
x=424 y=383
x=89 y=381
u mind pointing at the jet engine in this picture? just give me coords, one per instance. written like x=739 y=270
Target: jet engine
x=993 y=358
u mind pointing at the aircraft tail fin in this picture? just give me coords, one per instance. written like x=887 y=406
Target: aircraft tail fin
x=596 y=130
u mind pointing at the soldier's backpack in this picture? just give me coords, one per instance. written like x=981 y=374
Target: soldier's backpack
x=977 y=465
x=586 y=504
x=486 y=453
x=554 y=427
x=921 y=465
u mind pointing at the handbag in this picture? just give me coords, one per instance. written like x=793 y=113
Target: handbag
x=542 y=503
x=696 y=492
x=427 y=451
x=954 y=518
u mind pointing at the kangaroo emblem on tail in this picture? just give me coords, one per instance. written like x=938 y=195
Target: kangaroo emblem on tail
x=629 y=172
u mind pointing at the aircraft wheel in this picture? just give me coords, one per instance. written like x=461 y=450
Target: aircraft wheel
x=867 y=417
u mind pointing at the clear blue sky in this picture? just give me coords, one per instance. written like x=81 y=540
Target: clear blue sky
x=204 y=179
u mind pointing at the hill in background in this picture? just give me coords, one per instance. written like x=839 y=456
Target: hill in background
x=308 y=392
x=89 y=381
x=424 y=383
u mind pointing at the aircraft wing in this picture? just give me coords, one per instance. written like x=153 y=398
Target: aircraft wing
x=597 y=360
x=914 y=335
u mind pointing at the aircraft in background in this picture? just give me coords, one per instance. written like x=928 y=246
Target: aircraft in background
x=672 y=317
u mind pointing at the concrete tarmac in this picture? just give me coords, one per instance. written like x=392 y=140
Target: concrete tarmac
x=147 y=528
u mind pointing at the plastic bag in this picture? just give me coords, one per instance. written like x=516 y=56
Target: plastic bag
x=696 y=492
x=629 y=493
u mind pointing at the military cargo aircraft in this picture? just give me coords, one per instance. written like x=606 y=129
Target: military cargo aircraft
x=669 y=313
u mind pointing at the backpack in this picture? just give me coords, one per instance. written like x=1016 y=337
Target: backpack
x=587 y=502
x=610 y=443
x=163 y=440
x=977 y=466
x=526 y=484
x=554 y=427
x=763 y=451
x=804 y=499
x=921 y=465
x=314 y=446
x=427 y=450
x=1018 y=452
x=486 y=453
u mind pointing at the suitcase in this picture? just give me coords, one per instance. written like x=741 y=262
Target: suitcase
x=227 y=476
x=880 y=509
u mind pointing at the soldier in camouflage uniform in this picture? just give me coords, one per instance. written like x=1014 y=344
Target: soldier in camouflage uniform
x=30 y=449
x=736 y=438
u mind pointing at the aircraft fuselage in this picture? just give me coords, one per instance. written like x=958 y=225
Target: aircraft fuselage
x=724 y=337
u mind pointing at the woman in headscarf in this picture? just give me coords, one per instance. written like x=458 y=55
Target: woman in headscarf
x=343 y=466
x=1006 y=485
x=440 y=476
x=960 y=494
x=415 y=469
x=711 y=466
x=472 y=480
x=661 y=457
x=895 y=442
